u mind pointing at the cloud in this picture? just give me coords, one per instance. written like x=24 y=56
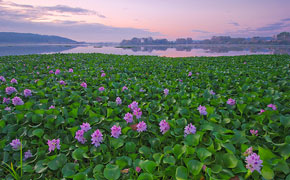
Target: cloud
x=200 y=31
x=76 y=30
x=67 y=9
x=286 y=19
x=38 y=11
x=272 y=27
x=234 y=23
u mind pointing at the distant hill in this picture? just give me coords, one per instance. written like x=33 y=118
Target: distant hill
x=29 y=38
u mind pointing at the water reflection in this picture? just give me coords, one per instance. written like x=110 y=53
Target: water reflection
x=33 y=49
x=217 y=48
x=170 y=51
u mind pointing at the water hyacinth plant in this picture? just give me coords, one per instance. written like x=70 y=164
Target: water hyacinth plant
x=227 y=121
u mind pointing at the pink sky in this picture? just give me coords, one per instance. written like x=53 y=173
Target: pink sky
x=114 y=20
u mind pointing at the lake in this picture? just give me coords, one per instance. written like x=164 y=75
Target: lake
x=169 y=51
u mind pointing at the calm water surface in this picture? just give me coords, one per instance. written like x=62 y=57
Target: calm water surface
x=176 y=51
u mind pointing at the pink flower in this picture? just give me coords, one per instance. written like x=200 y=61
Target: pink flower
x=37 y=73
x=101 y=89
x=129 y=118
x=27 y=155
x=197 y=73
x=189 y=129
x=27 y=92
x=85 y=127
x=51 y=72
x=97 y=138
x=124 y=88
x=47 y=67
x=138 y=169
x=254 y=132
x=6 y=100
x=204 y=167
x=17 y=101
x=2 y=79
x=15 y=144
x=164 y=126
x=141 y=90
x=7 y=109
x=14 y=81
x=103 y=74
x=36 y=80
x=57 y=72
x=118 y=100
x=273 y=106
x=52 y=107
x=202 y=110
x=80 y=136
x=166 y=91
x=189 y=74
x=180 y=80
x=212 y=92
x=52 y=144
x=115 y=131
x=133 y=105
x=261 y=111
x=61 y=82
x=249 y=151
x=84 y=85
x=141 y=126
x=254 y=162
x=10 y=90
x=137 y=112
x=231 y=102
x=71 y=70
x=245 y=62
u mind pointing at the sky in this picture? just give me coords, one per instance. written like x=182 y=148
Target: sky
x=115 y=20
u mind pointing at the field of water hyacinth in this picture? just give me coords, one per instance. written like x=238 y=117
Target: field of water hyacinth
x=95 y=116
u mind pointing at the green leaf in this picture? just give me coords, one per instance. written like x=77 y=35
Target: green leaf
x=240 y=168
x=109 y=112
x=38 y=132
x=68 y=170
x=145 y=176
x=192 y=139
x=178 y=150
x=285 y=121
x=112 y=172
x=157 y=157
x=285 y=151
x=130 y=147
x=203 y=153
x=39 y=167
x=216 y=168
x=98 y=170
x=78 y=154
x=80 y=176
x=267 y=172
x=116 y=142
x=194 y=166
x=169 y=160
x=57 y=162
x=181 y=173
x=265 y=154
x=148 y=166
x=27 y=168
x=241 y=107
x=145 y=151
x=230 y=160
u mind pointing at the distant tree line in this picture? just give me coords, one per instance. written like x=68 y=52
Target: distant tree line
x=280 y=39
